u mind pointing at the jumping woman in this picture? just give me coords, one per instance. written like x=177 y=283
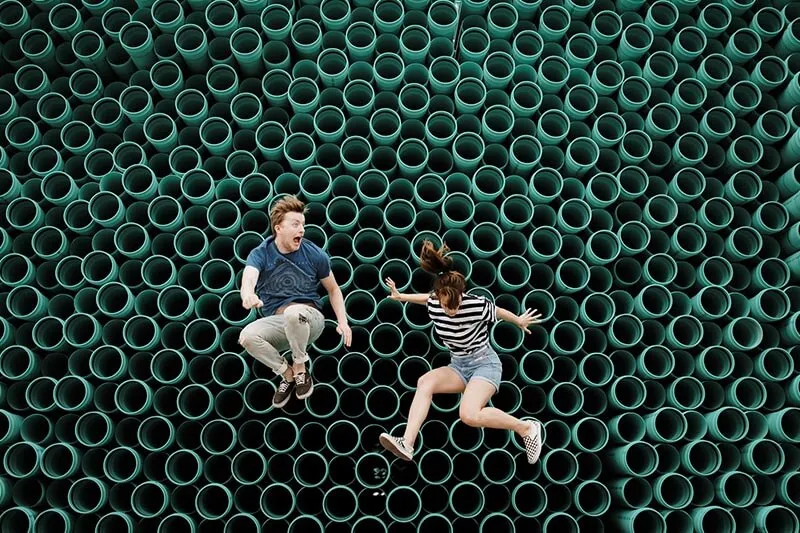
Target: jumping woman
x=462 y=322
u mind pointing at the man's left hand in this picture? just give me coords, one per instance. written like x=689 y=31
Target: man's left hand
x=344 y=330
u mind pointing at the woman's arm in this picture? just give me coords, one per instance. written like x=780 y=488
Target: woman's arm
x=421 y=299
x=522 y=322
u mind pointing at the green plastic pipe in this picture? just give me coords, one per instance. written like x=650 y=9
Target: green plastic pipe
x=122 y=464
x=769 y=73
x=87 y=495
x=666 y=425
x=474 y=43
x=774 y=365
x=627 y=392
x=602 y=248
x=213 y=501
x=17 y=519
x=442 y=19
x=415 y=43
x=25 y=215
x=440 y=129
x=22 y=459
x=634 y=91
x=673 y=491
x=466 y=500
x=26 y=303
x=711 y=302
x=389 y=68
x=701 y=458
x=775 y=517
x=713 y=518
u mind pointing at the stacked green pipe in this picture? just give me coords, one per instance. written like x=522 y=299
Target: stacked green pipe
x=630 y=169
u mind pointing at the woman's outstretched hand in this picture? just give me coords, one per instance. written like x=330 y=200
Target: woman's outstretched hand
x=395 y=294
x=529 y=318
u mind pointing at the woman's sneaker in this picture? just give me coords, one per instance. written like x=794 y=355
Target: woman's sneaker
x=533 y=442
x=398 y=446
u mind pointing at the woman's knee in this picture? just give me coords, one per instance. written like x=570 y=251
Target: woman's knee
x=470 y=416
x=426 y=383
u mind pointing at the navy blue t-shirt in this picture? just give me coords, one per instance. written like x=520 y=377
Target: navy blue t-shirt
x=292 y=277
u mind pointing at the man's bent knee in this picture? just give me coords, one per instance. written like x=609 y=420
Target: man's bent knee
x=296 y=314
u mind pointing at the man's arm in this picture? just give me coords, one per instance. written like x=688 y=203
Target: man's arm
x=337 y=303
x=248 y=290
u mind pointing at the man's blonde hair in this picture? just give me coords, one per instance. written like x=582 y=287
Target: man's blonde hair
x=287 y=204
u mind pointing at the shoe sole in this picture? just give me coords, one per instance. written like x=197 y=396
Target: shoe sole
x=388 y=443
x=283 y=403
x=541 y=443
x=306 y=394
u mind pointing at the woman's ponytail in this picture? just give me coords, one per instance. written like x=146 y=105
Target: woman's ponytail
x=448 y=284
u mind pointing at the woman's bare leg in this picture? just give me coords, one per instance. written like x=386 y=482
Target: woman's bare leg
x=473 y=410
x=438 y=381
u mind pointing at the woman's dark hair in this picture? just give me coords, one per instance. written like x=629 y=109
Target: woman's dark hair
x=448 y=284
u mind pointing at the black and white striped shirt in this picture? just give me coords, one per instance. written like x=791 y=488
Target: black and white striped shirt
x=468 y=330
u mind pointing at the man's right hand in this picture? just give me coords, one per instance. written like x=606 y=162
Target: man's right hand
x=250 y=301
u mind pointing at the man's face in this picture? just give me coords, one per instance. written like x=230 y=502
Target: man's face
x=289 y=233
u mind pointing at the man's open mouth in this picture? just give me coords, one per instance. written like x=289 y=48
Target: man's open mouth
x=297 y=240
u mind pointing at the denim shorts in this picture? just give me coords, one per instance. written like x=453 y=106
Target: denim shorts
x=483 y=363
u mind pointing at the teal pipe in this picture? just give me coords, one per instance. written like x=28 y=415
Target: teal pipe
x=415 y=42
x=473 y=45
x=137 y=40
x=636 y=39
x=498 y=69
x=122 y=464
x=602 y=247
x=605 y=27
x=608 y=77
x=361 y=40
x=87 y=495
x=713 y=517
x=770 y=73
x=701 y=458
x=766 y=518
x=634 y=92
x=440 y=129
x=213 y=501
x=17 y=519
x=581 y=49
x=442 y=19
x=527 y=48
x=10 y=186
x=688 y=44
x=25 y=302
x=388 y=68
x=627 y=392
x=552 y=74
x=25 y=215
x=673 y=491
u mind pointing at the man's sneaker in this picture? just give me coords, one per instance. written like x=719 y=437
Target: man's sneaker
x=283 y=394
x=398 y=446
x=533 y=442
x=304 y=385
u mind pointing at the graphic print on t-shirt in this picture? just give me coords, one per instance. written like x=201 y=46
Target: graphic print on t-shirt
x=285 y=279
